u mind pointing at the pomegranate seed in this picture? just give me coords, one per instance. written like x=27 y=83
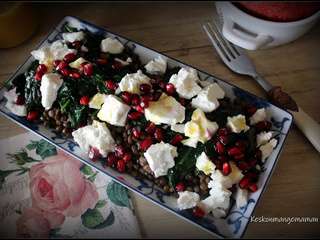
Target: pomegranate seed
x=84 y=100
x=135 y=99
x=239 y=157
x=61 y=65
x=42 y=68
x=145 y=88
x=223 y=132
x=139 y=109
x=263 y=126
x=136 y=133
x=170 y=89
x=126 y=97
x=223 y=139
x=219 y=147
x=75 y=75
x=102 y=61
x=135 y=115
x=20 y=100
x=198 y=212
x=33 y=115
x=244 y=182
x=117 y=65
x=76 y=44
x=226 y=169
x=176 y=139
x=241 y=144
x=151 y=127
x=147 y=98
x=162 y=85
x=94 y=154
x=119 y=151
x=65 y=72
x=111 y=159
x=88 y=69
x=158 y=134
x=253 y=187
x=121 y=166
x=145 y=144
x=233 y=151
x=69 y=57
x=242 y=165
x=180 y=187
x=144 y=103
x=111 y=85
x=251 y=110
x=56 y=63
x=38 y=76
x=127 y=157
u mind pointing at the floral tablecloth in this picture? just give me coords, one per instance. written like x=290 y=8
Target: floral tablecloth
x=46 y=193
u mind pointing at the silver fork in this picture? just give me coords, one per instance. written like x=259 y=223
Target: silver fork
x=238 y=61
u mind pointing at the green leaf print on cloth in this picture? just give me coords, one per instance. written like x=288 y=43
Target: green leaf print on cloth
x=118 y=194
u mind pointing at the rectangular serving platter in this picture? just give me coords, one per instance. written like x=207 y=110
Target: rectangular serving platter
x=237 y=219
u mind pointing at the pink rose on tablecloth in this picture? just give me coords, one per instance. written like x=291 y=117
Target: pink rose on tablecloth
x=57 y=185
x=36 y=223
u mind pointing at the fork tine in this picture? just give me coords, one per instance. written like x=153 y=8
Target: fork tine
x=226 y=43
x=221 y=51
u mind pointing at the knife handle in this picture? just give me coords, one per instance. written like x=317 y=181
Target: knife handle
x=309 y=127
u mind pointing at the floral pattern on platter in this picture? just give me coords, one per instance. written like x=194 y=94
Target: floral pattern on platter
x=221 y=227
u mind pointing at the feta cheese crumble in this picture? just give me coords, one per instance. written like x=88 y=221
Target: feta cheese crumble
x=156 y=66
x=131 y=82
x=204 y=164
x=185 y=82
x=73 y=36
x=113 y=111
x=11 y=96
x=187 y=200
x=200 y=127
x=160 y=157
x=267 y=149
x=258 y=116
x=50 y=84
x=111 y=45
x=77 y=63
x=237 y=123
x=263 y=138
x=97 y=101
x=178 y=128
x=96 y=135
x=166 y=110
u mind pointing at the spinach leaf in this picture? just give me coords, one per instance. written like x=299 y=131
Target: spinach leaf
x=32 y=92
x=78 y=115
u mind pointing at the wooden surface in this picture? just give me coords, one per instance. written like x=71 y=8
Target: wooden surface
x=175 y=29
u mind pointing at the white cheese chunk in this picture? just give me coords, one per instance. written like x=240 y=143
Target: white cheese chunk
x=178 y=128
x=11 y=95
x=267 y=149
x=185 y=83
x=258 y=116
x=124 y=63
x=77 y=63
x=73 y=36
x=187 y=200
x=190 y=142
x=237 y=123
x=156 y=66
x=166 y=110
x=200 y=127
x=113 y=111
x=19 y=110
x=204 y=164
x=97 y=101
x=241 y=197
x=131 y=82
x=59 y=49
x=111 y=45
x=96 y=135
x=160 y=157
x=263 y=138
x=206 y=100
x=50 y=84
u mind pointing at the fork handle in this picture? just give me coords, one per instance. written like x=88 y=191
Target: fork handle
x=309 y=127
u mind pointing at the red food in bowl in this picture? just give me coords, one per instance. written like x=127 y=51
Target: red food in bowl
x=279 y=11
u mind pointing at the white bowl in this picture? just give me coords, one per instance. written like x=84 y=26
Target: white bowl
x=254 y=33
